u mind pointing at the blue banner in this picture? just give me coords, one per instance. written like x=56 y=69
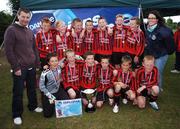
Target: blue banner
x=67 y=15
x=66 y=108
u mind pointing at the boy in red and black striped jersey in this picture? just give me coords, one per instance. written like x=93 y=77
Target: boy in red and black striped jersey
x=61 y=38
x=75 y=39
x=71 y=74
x=45 y=41
x=88 y=80
x=124 y=84
x=89 y=36
x=135 y=41
x=119 y=40
x=103 y=40
x=147 y=83
x=105 y=76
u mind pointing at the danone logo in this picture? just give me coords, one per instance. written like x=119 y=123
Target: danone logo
x=67 y=15
x=35 y=22
x=127 y=18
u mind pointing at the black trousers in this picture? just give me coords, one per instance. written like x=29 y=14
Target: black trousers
x=49 y=109
x=177 y=63
x=28 y=76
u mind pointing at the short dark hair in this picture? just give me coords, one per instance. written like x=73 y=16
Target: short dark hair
x=75 y=20
x=105 y=57
x=88 y=21
x=101 y=18
x=126 y=58
x=50 y=55
x=26 y=10
x=87 y=54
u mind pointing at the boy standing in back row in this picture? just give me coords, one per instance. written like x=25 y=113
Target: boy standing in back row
x=45 y=40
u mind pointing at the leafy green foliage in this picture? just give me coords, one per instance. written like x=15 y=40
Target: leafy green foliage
x=171 y=24
x=5 y=21
x=15 y=4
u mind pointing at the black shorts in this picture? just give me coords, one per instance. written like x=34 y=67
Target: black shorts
x=123 y=91
x=116 y=57
x=102 y=95
x=62 y=94
x=144 y=93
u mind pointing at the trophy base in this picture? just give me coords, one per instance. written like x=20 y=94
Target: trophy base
x=90 y=110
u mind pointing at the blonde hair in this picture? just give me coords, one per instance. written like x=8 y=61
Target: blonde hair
x=68 y=51
x=149 y=57
x=119 y=15
x=60 y=23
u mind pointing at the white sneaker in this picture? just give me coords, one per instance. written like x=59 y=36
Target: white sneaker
x=38 y=109
x=17 y=121
x=161 y=89
x=115 y=108
x=175 y=71
x=124 y=101
x=154 y=105
x=111 y=101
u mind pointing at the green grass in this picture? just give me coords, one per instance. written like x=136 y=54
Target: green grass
x=129 y=117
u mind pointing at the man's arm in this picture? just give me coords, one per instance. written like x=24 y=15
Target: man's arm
x=36 y=53
x=10 y=42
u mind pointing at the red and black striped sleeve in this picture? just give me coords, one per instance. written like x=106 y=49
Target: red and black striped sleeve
x=39 y=43
x=64 y=74
x=132 y=83
x=139 y=76
x=140 y=47
x=154 y=79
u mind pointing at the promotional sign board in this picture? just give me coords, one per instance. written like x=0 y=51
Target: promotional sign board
x=67 y=15
x=66 y=108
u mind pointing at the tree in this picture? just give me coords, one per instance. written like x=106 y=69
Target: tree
x=14 y=4
x=171 y=24
x=5 y=21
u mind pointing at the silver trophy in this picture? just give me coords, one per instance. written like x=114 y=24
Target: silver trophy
x=89 y=94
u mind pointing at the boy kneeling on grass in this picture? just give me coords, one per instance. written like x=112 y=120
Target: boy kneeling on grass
x=88 y=80
x=50 y=85
x=147 y=83
x=105 y=76
x=124 y=84
x=71 y=74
